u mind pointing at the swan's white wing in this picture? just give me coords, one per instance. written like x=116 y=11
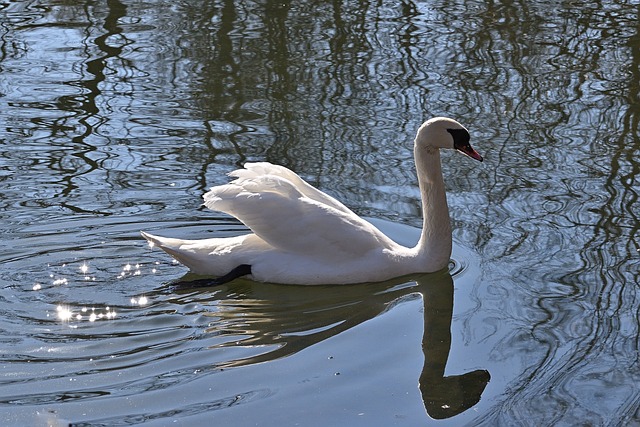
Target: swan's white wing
x=254 y=170
x=279 y=213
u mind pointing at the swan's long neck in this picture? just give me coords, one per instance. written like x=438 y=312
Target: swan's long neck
x=434 y=247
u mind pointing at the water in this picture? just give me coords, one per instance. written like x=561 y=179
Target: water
x=117 y=116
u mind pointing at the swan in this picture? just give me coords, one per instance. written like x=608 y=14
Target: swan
x=301 y=235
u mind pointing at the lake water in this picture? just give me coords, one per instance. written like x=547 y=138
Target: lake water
x=117 y=116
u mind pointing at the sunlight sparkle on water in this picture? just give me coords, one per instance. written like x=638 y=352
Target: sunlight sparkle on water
x=141 y=301
x=66 y=314
x=130 y=270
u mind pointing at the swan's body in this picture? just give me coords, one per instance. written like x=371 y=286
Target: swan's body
x=304 y=236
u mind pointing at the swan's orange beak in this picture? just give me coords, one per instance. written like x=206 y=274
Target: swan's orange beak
x=469 y=151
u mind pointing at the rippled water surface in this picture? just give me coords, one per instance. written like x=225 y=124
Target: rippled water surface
x=117 y=116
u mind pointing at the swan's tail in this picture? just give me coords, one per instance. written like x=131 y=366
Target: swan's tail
x=163 y=243
x=174 y=247
x=215 y=256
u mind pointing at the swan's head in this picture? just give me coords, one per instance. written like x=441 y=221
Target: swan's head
x=442 y=132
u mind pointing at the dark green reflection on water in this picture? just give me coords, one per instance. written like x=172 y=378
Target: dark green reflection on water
x=115 y=115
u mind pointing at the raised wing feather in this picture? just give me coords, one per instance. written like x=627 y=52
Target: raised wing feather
x=254 y=170
x=285 y=217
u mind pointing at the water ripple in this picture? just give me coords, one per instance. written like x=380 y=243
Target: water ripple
x=117 y=117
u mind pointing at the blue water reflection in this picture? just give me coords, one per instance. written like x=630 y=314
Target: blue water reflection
x=117 y=116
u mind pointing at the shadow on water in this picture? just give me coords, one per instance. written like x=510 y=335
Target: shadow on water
x=288 y=319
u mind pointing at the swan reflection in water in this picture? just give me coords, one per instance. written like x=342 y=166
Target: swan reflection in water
x=284 y=320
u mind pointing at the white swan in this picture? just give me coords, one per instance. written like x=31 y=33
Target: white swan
x=304 y=236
